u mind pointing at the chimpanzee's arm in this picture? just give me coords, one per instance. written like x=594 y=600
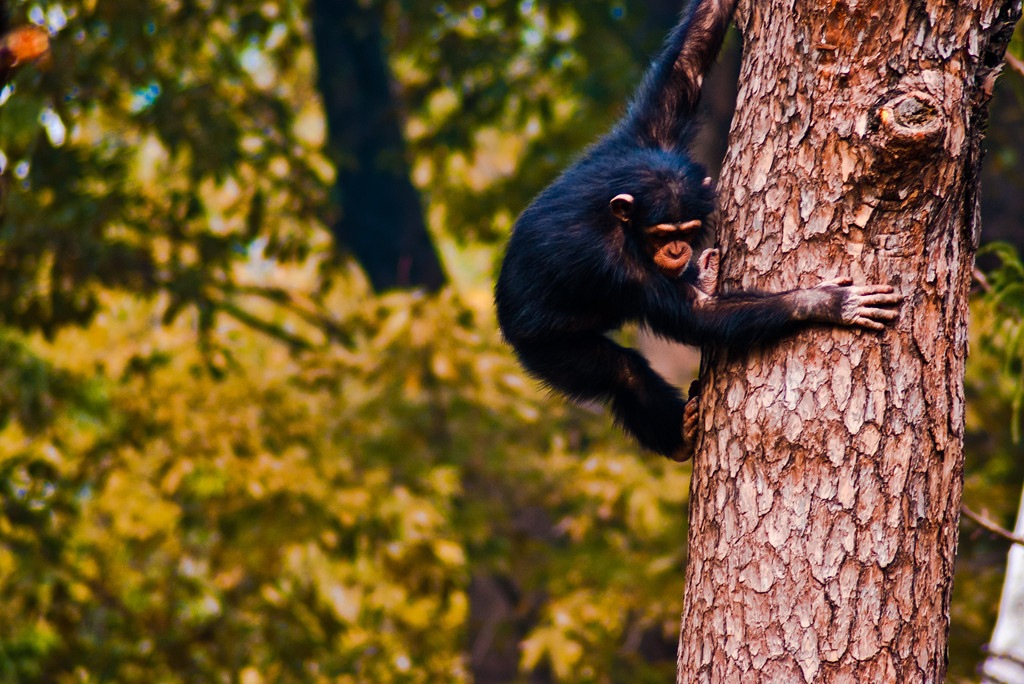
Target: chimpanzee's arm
x=748 y=318
x=662 y=112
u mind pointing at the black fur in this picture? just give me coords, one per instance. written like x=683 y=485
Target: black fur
x=574 y=270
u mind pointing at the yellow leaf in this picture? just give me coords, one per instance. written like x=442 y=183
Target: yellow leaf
x=449 y=553
x=251 y=676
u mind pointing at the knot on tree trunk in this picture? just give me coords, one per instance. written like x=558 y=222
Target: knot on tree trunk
x=911 y=133
x=911 y=121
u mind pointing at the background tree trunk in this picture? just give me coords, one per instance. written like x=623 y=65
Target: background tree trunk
x=1005 y=662
x=382 y=221
x=825 y=496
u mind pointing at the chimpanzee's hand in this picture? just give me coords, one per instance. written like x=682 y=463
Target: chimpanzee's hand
x=691 y=425
x=862 y=305
x=707 y=271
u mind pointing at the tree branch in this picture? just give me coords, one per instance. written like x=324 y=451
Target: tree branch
x=303 y=307
x=267 y=328
x=982 y=280
x=1015 y=63
x=991 y=526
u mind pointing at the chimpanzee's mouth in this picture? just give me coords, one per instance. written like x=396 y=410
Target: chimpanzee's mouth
x=670 y=246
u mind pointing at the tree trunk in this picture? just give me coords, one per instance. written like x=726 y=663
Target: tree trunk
x=382 y=221
x=825 y=494
x=1005 y=662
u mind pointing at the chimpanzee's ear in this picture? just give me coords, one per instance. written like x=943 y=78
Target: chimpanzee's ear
x=622 y=206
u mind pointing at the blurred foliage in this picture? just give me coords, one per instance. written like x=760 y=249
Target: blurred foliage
x=995 y=458
x=223 y=459
x=168 y=140
x=1004 y=143
x=1004 y=337
x=152 y=153
x=317 y=516
x=994 y=389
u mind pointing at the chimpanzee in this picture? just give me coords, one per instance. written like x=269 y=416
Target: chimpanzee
x=611 y=240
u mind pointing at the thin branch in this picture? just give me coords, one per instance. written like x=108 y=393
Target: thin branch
x=991 y=526
x=989 y=678
x=267 y=328
x=302 y=307
x=1015 y=63
x=982 y=280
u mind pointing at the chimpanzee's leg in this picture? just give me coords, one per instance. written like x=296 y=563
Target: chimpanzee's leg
x=595 y=368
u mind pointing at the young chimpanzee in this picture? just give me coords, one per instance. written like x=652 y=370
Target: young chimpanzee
x=611 y=241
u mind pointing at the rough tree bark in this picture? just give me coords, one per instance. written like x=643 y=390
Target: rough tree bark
x=825 y=494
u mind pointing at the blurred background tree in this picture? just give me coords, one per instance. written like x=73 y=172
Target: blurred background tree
x=232 y=448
